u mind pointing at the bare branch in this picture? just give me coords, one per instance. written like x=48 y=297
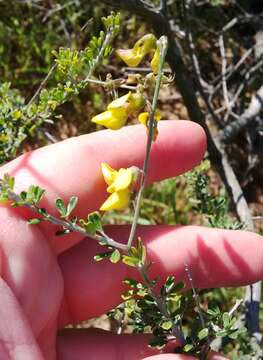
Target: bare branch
x=231 y=131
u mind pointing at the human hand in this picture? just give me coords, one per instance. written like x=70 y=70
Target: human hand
x=48 y=282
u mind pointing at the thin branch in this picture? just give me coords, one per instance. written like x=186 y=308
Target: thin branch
x=160 y=302
x=228 y=134
x=42 y=84
x=224 y=63
x=152 y=124
x=163 y=6
x=65 y=224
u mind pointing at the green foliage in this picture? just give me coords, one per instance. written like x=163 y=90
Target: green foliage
x=214 y=207
x=93 y=223
x=18 y=119
x=65 y=210
x=136 y=255
x=32 y=196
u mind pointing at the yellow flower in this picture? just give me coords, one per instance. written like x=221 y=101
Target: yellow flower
x=133 y=57
x=117 y=201
x=156 y=60
x=119 y=110
x=144 y=118
x=119 y=186
x=112 y=119
x=108 y=173
x=122 y=181
x=121 y=102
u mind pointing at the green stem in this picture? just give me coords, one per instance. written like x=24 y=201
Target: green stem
x=117 y=83
x=164 y=47
x=108 y=39
x=160 y=302
x=68 y=225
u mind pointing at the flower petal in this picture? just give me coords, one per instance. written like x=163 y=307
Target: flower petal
x=122 y=181
x=112 y=119
x=145 y=44
x=143 y=118
x=156 y=60
x=120 y=102
x=108 y=173
x=130 y=57
x=116 y=201
x=137 y=102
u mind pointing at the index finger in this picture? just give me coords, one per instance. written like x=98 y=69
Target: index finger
x=72 y=167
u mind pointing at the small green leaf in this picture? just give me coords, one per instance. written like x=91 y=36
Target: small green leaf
x=23 y=195
x=93 y=224
x=141 y=250
x=130 y=261
x=115 y=256
x=131 y=282
x=61 y=207
x=102 y=256
x=178 y=286
x=9 y=181
x=226 y=319
x=34 y=221
x=127 y=295
x=43 y=212
x=221 y=333
x=38 y=194
x=233 y=335
x=167 y=325
x=63 y=232
x=188 y=347
x=71 y=205
x=203 y=334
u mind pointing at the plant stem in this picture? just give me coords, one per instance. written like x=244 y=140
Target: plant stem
x=152 y=124
x=108 y=39
x=160 y=301
x=67 y=224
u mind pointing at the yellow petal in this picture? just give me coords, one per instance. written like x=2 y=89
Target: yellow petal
x=123 y=180
x=137 y=101
x=145 y=44
x=130 y=57
x=155 y=134
x=156 y=60
x=133 y=57
x=112 y=119
x=108 y=173
x=120 y=102
x=144 y=117
x=116 y=201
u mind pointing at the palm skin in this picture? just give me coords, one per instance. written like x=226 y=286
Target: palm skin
x=48 y=282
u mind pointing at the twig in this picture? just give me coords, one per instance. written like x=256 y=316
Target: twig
x=160 y=302
x=224 y=84
x=42 y=84
x=163 y=6
x=164 y=45
x=195 y=64
x=65 y=224
x=57 y=9
x=235 y=307
x=231 y=131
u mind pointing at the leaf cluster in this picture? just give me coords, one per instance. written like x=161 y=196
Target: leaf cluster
x=214 y=207
x=19 y=120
